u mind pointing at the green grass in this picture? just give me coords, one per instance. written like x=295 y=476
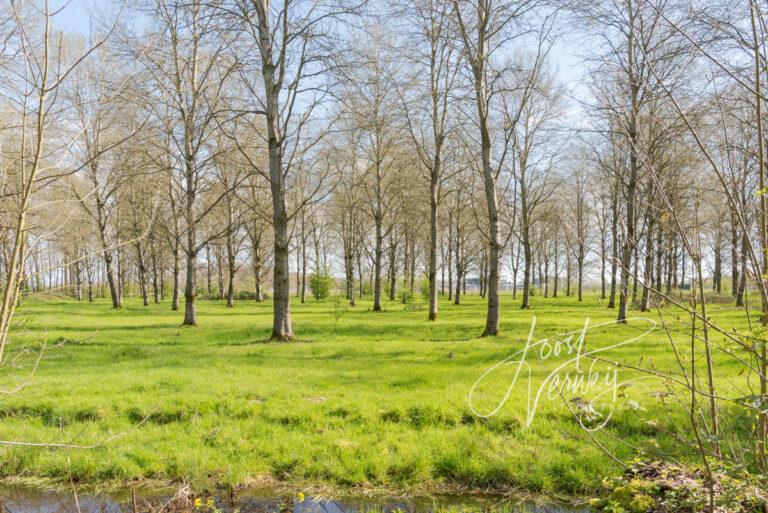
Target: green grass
x=381 y=401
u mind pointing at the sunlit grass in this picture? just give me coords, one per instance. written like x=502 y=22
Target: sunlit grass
x=380 y=401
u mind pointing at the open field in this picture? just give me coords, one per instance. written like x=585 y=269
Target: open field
x=380 y=400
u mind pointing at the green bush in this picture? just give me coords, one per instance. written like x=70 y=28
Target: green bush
x=320 y=283
x=424 y=287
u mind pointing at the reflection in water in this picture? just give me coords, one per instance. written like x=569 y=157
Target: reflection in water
x=14 y=500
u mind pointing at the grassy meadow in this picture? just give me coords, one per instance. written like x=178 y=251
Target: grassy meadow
x=378 y=400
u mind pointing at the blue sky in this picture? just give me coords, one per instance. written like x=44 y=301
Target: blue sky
x=76 y=16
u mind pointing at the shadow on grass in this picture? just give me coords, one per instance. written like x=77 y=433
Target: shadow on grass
x=264 y=341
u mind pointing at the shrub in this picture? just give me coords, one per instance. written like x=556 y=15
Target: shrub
x=424 y=287
x=320 y=283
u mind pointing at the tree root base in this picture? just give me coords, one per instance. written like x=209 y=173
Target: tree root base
x=279 y=337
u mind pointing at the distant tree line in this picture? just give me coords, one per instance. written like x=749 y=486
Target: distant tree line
x=392 y=142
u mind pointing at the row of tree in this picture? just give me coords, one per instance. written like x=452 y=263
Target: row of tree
x=382 y=140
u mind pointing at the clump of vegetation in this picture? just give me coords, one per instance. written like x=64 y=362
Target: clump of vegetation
x=424 y=288
x=659 y=487
x=339 y=309
x=321 y=283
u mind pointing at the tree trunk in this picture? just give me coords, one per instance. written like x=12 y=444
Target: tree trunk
x=580 y=264
x=603 y=250
x=176 y=273
x=648 y=271
x=191 y=249
x=142 y=273
x=515 y=269
x=743 y=274
x=156 y=287
x=717 y=274
x=190 y=292
x=230 y=269
x=113 y=292
x=635 y=272
x=360 y=275
x=89 y=277
x=457 y=293
x=120 y=276
x=450 y=255
x=614 y=252
x=377 y=266
x=556 y=275
x=78 y=282
x=734 y=256
x=208 y=269
x=220 y=271
x=527 y=264
x=392 y=274
x=302 y=288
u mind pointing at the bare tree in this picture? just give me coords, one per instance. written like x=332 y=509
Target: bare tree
x=189 y=62
x=36 y=68
x=428 y=106
x=485 y=28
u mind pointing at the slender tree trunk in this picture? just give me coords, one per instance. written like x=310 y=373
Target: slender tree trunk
x=156 y=284
x=176 y=277
x=515 y=270
x=78 y=282
x=360 y=275
x=717 y=273
x=113 y=291
x=349 y=271
x=208 y=269
x=459 y=261
x=393 y=269
x=556 y=275
x=743 y=274
x=659 y=258
x=734 y=255
x=682 y=269
x=256 y=262
x=230 y=268
x=142 y=273
x=257 y=277
x=377 y=255
x=527 y=270
x=648 y=271
x=412 y=267
x=457 y=293
x=190 y=294
x=580 y=264
x=442 y=273
x=450 y=255
x=190 y=286
x=89 y=278
x=220 y=271
x=669 y=266
x=281 y=323
x=479 y=71
x=634 y=169
x=120 y=275
x=303 y=258
x=615 y=257
x=603 y=266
